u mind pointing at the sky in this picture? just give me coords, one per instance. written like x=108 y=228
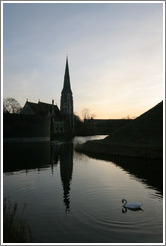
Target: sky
x=115 y=55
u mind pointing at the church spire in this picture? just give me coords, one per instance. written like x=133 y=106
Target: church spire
x=66 y=85
x=67 y=102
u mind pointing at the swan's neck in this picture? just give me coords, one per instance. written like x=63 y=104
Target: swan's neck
x=124 y=201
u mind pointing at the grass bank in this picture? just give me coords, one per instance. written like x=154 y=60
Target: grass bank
x=15 y=228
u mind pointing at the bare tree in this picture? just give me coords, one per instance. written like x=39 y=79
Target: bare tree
x=93 y=116
x=11 y=105
x=86 y=113
x=128 y=117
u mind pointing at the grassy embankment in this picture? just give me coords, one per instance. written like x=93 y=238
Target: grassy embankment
x=142 y=137
x=15 y=228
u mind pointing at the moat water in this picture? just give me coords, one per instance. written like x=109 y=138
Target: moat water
x=74 y=198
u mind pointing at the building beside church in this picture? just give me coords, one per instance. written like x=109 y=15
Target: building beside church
x=61 y=120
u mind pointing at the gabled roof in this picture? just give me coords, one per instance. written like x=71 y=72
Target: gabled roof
x=46 y=108
x=33 y=106
x=42 y=108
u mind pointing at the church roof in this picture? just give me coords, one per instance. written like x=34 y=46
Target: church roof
x=42 y=108
x=66 y=85
x=34 y=106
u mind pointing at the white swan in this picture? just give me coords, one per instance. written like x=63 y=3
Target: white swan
x=131 y=205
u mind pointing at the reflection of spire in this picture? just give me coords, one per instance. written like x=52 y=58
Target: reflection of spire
x=66 y=169
x=54 y=156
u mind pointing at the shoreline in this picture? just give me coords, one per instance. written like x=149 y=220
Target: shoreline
x=145 y=150
x=140 y=138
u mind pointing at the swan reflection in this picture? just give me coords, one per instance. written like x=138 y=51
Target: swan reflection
x=124 y=210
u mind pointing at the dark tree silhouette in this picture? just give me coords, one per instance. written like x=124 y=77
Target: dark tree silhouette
x=11 y=105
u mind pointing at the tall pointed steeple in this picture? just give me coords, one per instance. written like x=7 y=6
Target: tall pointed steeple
x=66 y=85
x=67 y=102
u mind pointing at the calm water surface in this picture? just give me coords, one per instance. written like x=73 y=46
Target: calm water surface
x=73 y=198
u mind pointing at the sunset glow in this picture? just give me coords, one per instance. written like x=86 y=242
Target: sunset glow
x=115 y=55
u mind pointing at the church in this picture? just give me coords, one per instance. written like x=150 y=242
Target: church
x=61 y=120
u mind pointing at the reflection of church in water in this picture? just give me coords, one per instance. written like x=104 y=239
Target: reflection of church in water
x=66 y=170
x=65 y=150
x=30 y=156
x=61 y=124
